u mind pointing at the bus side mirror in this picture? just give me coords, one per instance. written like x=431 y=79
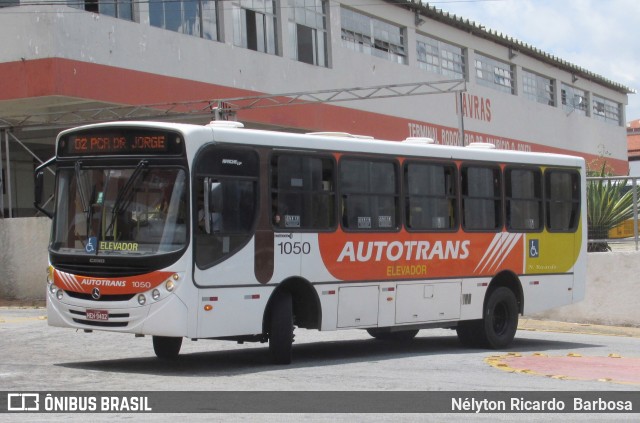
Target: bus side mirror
x=212 y=206
x=38 y=185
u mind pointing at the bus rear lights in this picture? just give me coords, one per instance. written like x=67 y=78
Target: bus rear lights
x=155 y=294
x=142 y=299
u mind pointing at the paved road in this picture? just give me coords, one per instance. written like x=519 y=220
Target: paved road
x=38 y=357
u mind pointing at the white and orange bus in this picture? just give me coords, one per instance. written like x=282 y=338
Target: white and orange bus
x=221 y=232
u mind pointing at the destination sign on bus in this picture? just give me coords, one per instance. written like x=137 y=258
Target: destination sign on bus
x=120 y=142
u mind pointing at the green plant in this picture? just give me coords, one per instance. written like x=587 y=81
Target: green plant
x=609 y=203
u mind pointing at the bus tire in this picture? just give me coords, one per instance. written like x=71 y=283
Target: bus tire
x=167 y=347
x=385 y=335
x=499 y=323
x=469 y=333
x=500 y=318
x=281 y=328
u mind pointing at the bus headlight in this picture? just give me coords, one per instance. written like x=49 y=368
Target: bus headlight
x=50 y=275
x=155 y=294
x=59 y=294
x=142 y=299
x=170 y=285
x=53 y=289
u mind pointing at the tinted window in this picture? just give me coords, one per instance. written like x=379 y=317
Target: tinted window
x=430 y=196
x=369 y=193
x=523 y=191
x=228 y=177
x=481 y=198
x=302 y=192
x=562 y=196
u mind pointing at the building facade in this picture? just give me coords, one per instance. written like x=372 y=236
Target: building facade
x=84 y=61
x=633 y=146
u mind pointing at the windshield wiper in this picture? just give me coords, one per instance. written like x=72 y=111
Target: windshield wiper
x=81 y=187
x=86 y=206
x=125 y=196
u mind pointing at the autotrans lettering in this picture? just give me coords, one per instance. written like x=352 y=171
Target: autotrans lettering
x=118 y=246
x=408 y=250
x=103 y=282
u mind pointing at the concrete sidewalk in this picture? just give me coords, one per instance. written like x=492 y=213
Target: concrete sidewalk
x=581 y=328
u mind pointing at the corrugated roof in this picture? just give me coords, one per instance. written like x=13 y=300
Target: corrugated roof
x=518 y=46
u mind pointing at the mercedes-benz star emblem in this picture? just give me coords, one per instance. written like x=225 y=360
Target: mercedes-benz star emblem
x=95 y=293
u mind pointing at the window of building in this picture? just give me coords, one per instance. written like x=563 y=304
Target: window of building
x=122 y=9
x=308 y=31
x=430 y=196
x=302 y=192
x=191 y=17
x=538 y=88
x=494 y=74
x=439 y=57
x=574 y=99
x=372 y=36
x=255 y=25
x=481 y=198
x=523 y=192
x=370 y=195
x=562 y=197
x=607 y=110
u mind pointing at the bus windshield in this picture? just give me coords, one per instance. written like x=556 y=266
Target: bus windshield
x=135 y=211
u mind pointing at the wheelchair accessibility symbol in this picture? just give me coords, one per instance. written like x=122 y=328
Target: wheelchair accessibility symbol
x=92 y=244
x=534 y=250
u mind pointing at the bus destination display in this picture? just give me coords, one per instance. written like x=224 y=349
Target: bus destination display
x=120 y=143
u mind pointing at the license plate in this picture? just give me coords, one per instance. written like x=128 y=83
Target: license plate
x=97 y=315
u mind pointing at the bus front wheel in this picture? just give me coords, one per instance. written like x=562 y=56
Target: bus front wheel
x=281 y=328
x=167 y=347
x=499 y=323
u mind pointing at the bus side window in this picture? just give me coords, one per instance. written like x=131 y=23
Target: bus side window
x=302 y=192
x=481 y=198
x=430 y=196
x=523 y=195
x=369 y=194
x=562 y=197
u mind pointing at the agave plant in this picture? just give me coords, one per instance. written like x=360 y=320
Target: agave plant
x=609 y=203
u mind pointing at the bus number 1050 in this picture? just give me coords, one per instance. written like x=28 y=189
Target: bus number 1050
x=294 y=247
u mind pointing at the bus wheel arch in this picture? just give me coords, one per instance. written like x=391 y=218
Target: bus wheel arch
x=306 y=304
x=293 y=303
x=502 y=304
x=509 y=280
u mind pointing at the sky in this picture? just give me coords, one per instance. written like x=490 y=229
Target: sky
x=602 y=36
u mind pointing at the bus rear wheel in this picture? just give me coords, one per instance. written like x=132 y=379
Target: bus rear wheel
x=167 y=347
x=498 y=326
x=385 y=335
x=281 y=328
